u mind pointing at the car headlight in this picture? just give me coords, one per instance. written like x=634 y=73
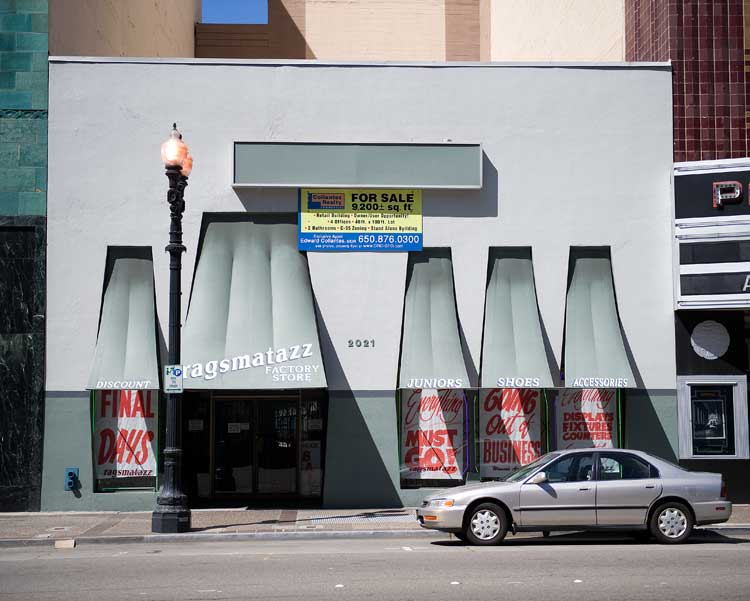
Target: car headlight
x=440 y=503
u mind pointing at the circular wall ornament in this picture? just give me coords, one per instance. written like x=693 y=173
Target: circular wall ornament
x=710 y=339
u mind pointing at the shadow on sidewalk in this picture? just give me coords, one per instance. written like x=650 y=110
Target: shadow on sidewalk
x=362 y=516
x=599 y=538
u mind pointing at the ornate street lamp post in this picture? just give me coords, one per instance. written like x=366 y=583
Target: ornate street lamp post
x=172 y=513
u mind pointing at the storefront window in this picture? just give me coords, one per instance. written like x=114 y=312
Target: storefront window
x=510 y=430
x=311 y=450
x=712 y=413
x=433 y=437
x=586 y=418
x=124 y=438
x=712 y=417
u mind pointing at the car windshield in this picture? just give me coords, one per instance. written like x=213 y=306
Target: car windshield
x=521 y=473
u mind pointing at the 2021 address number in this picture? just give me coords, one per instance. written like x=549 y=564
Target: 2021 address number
x=361 y=343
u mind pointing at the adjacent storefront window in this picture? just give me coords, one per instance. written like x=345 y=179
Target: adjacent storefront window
x=433 y=437
x=712 y=420
x=586 y=418
x=125 y=440
x=712 y=413
x=510 y=430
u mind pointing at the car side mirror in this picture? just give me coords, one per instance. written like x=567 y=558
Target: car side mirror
x=538 y=478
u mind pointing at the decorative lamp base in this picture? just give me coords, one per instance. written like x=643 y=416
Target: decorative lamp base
x=170 y=522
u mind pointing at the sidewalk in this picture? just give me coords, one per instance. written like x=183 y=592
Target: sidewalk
x=207 y=524
x=227 y=524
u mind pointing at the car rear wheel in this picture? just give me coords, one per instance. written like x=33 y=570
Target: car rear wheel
x=671 y=523
x=486 y=525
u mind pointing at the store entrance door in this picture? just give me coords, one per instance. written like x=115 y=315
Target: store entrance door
x=246 y=448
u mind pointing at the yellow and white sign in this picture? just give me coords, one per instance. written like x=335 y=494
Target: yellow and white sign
x=360 y=220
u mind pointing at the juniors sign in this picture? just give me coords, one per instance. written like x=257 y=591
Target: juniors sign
x=125 y=433
x=432 y=434
x=366 y=220
x=586 y=418
x=510 y=433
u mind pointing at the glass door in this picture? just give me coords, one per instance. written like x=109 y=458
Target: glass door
x=276 y=446
x=233 y=446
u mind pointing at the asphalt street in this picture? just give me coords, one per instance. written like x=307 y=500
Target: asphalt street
x=558 y=568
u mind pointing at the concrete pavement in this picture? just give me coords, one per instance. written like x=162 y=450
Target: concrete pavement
x=585 y=568
x=225 y=524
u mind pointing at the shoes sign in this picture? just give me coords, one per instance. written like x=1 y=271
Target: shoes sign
x=173 y=378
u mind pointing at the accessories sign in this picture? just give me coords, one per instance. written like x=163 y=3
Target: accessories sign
x=360 y=220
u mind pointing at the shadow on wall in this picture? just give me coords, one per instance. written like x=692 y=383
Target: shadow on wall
x=355 y=474
x=272 y=200
x=644 y=425
x=473 y=203
x=281 y=38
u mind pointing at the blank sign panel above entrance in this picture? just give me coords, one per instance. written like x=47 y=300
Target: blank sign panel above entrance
x=309 y=165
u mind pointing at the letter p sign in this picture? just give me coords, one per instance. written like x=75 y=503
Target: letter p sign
x=726 y=193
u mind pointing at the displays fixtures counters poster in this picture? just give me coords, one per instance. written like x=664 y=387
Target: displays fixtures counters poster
x=360 y=220
x=510 y=430
x=586 y=418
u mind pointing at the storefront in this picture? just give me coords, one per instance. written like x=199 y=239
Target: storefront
x=389 y=291
x=712 y=318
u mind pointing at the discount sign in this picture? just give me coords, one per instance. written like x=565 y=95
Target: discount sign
x=124 y=433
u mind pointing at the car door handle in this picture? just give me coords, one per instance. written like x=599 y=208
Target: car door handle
x=650 y=486
x=584 y=488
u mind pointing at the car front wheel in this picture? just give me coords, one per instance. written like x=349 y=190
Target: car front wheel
x=486 y=525
x=671 y=523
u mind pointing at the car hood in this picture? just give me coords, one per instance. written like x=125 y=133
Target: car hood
x=470 y=490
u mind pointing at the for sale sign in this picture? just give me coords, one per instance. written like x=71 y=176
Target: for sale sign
x=124 y=433
x=510 y=432
x=586 y=418
x=432 y=433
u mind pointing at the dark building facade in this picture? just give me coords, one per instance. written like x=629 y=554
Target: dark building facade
x=708 y=42
x=23 y=185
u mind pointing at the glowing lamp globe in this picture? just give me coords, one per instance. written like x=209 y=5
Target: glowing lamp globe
x=187 y=165
x=174 y=150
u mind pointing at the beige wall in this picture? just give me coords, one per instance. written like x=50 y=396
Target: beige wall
x=123 y=27
x=376 y=29
x=557 y=30
x=426 y=30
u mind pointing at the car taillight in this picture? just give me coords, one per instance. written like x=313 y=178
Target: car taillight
x=723 y=489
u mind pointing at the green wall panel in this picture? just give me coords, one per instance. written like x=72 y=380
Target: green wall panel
x=67 y=443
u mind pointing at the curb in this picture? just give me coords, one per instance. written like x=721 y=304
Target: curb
x=189 y=537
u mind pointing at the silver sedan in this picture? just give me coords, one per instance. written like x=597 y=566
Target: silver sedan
x=582 y=490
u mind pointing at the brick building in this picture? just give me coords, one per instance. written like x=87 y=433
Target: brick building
x=708 y=42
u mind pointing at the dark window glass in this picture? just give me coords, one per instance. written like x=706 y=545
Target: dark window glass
x=712 y=412
x=714 y=252
x=621 y=466
x=571 y=468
